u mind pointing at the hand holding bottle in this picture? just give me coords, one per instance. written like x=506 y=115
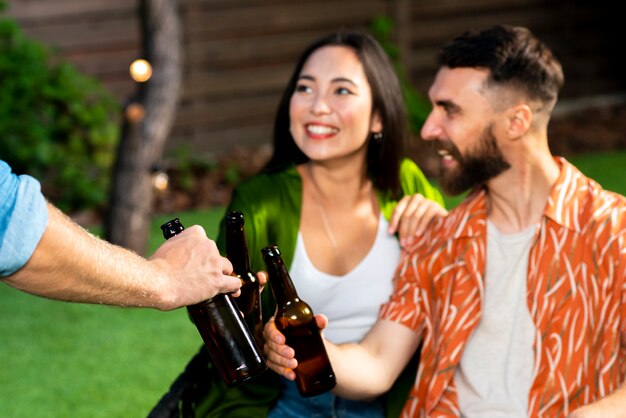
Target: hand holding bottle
x=222 y=327
x=295 y=319
x=194 y=267
x=278 y=355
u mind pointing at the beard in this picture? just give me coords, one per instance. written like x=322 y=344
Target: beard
x=482 y=163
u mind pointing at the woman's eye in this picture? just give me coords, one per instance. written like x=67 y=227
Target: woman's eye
x=343 y=91
x=301 y=88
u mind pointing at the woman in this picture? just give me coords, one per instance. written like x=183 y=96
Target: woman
x=328 y=194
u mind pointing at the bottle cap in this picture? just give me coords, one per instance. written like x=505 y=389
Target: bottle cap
x=172 y=228
x=234 y=217
x=270 y=251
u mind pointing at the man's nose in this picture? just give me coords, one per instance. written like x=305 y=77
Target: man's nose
x=430 y=129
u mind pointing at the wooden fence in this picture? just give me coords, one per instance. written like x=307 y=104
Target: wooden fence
x=239 y=53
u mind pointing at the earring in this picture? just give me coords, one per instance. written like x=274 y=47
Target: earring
x=378 y=136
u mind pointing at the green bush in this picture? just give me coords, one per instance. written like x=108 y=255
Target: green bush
x=55 y=123
x=417 y=105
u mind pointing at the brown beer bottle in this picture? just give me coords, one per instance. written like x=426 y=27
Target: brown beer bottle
x=249 y=301
x=225 y=334
x=296 y=320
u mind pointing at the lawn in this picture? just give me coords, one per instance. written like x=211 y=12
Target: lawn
x=73 y=360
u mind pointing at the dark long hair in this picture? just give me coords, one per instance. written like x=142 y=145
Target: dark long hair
x=384 y=155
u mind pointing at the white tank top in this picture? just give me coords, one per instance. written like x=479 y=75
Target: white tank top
x=352 y=301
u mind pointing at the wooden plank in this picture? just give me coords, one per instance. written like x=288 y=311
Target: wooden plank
x=120 y=88
x=429 y=32
x=444 y=9
x=272 y=19
x=100 y=62
x=233 y=3
x=258 y=49
x=228 y=112
x=28 y=11
x=401 y=15
x=78 y=34
x=239 y=81
x=215 y=142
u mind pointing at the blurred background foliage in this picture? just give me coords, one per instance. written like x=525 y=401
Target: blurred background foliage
x=417 y=106
x=55 y=123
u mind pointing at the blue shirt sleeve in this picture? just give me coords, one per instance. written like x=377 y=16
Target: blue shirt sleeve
x=23 y=219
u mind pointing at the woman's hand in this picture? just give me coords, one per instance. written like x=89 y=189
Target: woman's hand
x=262 y=278
x=412 y=215
x=279 y=356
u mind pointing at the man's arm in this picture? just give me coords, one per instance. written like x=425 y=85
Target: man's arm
x=71 y=264
x=364 y=370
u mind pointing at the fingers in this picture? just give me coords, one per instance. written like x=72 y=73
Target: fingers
x=227 y=266
x=322 y=321
x=397 y=214
x=417 y=213
x=279 y=357
x=262 y=276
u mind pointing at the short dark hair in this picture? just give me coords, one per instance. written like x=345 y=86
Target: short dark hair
x=514 y=58
x=383 y=157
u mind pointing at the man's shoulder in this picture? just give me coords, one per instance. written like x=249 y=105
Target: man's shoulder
x=603 y=202
x=465 y=221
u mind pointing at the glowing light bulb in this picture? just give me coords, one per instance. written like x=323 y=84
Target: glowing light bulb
x=160 y=181
x=140 y=70
x=135 y=112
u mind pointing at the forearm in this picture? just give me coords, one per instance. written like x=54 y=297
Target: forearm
x=360 y=374
x=613 y=406
x=364 y=370
x=71 y=264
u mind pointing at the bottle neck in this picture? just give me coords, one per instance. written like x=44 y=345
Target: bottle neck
x=280 y=281
x=237 y=249
x=171 y=228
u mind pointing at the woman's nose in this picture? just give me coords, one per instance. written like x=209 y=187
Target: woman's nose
x=320 y=105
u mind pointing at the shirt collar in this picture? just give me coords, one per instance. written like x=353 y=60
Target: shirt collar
x=562 y=207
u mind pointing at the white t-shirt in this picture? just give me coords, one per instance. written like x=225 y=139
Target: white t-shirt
x=352 y=301
x=495 y=373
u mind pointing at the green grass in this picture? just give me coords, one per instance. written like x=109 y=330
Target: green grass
x=73 y=360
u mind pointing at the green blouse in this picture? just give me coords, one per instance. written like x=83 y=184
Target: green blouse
x=271 y=204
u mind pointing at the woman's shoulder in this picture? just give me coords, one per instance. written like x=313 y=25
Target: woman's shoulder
x=413 y=180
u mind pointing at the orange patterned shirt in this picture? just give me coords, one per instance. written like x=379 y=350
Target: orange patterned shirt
x=576 y=296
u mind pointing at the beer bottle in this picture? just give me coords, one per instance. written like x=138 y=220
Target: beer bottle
x=249 y=302
x=225 y=334
x=295 y=319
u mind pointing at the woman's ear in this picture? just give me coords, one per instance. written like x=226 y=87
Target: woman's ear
x=376 y=125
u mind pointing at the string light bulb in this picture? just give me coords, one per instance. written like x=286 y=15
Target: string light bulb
x=140 y=70
x=160 y=181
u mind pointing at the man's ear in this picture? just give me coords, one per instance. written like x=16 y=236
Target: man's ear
x=376 y=125
x=520 y=119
